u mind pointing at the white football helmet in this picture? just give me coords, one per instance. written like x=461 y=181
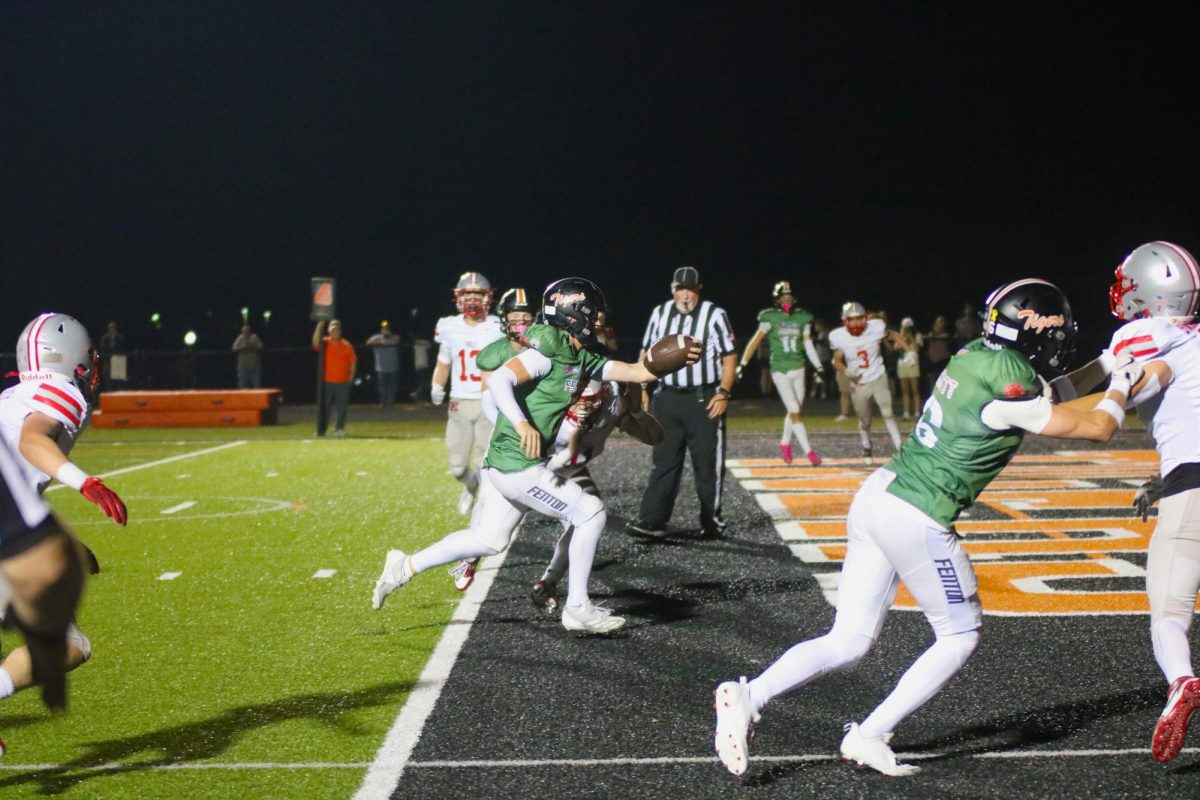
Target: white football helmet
x=856 y=311
x=1158 y=279
x=593 y=397
x=473 y=295
x=60 y=344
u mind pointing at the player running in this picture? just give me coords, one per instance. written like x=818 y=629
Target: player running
x=901 y=522
x=533 y=391
x=856 y=355
x=1156 y=293
x=786 y=327
x=460 y=338
x=40 y=420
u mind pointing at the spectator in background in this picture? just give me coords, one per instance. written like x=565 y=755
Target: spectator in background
x=908 y=368
x=891 y=355
x=820 y=340
x=936 y=350
x=421 y=368
x=386 y=346
x=338 y=377
x=116 y=363
x=249 y=359
x=967 y=328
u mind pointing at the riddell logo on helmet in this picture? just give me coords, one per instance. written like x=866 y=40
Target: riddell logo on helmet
x=1039 y=322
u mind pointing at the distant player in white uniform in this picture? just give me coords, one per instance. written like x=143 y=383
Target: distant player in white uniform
x=1156 y=293
x=459 y=339
x=856 y=354
x=40 y=420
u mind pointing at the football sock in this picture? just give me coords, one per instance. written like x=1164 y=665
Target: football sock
x=801 y=432
x=925 y=678
x=1171 y=649
x=893 y=430
x=472 y=480
x=787 y=429
x=464 y=545
x=7 y=687
x=558 y=562
x=864 y=437
x=582 y=551
x=805 y=662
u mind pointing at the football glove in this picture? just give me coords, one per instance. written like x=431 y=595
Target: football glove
x=95 y=490
x=437 y=394
x=1147 y=496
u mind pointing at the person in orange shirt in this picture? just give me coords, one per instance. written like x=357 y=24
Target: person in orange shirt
x=340 y=364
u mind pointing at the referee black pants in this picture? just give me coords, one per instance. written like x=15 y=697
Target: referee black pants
x=686 y=426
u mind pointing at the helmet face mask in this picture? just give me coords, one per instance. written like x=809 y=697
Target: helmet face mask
x=473 y=296
x=588 y=403
x=1158 y=279
x=59 y=344
x=854 y=317
x=516 y=314
x=785 y=300
x=1033 y=317
x=574 y=305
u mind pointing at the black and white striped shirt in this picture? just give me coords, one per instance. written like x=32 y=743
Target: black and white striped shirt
x=707 y=322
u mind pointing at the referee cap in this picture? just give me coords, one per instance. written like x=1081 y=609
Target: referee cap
x=686 y=278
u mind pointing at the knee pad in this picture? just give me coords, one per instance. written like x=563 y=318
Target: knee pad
x=588 y=507
x=847 y=649
x=961 y=644
x=459 y=473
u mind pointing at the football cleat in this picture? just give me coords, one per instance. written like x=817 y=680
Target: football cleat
x=840 y=418
x=589 y=618
x=3 y=748
x=875 y=753
x=639 y=528
x=395 y=574
x=735 y=724
x=1182 y=699
x=463 y=573
x=544 y=595
x=465 y=500
x=813 y=458
x=785 y=452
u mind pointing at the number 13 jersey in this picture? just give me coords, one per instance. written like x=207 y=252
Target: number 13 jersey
x=459 y=344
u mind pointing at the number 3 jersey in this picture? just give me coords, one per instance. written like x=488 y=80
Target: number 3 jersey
x=861 y=352
x=459 y=344
x=50 y=394
x=953 y=454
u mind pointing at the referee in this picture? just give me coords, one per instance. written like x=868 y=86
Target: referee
x=690 y=404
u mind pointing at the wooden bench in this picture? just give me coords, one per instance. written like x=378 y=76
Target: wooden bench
x=204 y=408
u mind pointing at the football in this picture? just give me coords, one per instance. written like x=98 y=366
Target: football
x=668 y=354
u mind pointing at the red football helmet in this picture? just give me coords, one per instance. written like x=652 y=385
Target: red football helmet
x=473 y=295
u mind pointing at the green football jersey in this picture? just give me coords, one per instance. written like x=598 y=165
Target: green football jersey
x=548 y=399
x=786 y=337
x=952 y=455
x=495 y=355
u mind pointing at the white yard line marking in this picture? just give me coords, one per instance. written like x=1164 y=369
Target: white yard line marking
x=385 y=771
x=186 y=504
x=563 y=762
x=169 y=576
x=325 y=573
x=162 y=461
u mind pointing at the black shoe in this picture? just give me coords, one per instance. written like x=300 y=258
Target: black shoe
x=639 y=528
x=544 y=595
x=712 y=532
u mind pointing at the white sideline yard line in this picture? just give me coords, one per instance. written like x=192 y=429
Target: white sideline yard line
x=526 y=763
x=162 y=461
x=186 y=504
x=393 y=756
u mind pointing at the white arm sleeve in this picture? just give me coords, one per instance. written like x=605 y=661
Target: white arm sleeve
x=809 y=349
x=443 y=355
x=1030 y=415
x=488 y=406
x=764 y=327
x=500 y=387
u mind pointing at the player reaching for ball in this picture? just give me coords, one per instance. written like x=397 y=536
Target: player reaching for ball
x=533 y=391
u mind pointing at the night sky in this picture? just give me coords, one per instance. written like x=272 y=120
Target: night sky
x=192 y=158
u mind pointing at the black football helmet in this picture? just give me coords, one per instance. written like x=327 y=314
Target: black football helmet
x=782 y=288
x=573 y=304
x=514 y=300
x=1034 y=317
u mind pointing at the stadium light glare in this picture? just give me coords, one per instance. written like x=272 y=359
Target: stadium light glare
x=189 y=338
x=267 y=316
x=245 y=314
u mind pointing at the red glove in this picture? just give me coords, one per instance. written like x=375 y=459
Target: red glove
x=95 y=490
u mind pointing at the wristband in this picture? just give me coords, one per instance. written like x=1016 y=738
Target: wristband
x=70 y=475
x=723 y=392
x=1112 y=408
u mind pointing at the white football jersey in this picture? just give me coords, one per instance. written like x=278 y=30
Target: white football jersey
x=596 y=436
x=459 y=344
x=46 y=393
x=1173 y=416
x=862 y=353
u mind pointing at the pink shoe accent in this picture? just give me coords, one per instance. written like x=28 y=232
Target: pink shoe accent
x=785 y=452
x=814 y=458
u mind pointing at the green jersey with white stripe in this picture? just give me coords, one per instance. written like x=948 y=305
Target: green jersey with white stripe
x=786 y=337
x=549 y=398
x=495 y=355
x=952 y=455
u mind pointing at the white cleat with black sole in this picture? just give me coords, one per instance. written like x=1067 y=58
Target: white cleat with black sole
x=590 y=618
